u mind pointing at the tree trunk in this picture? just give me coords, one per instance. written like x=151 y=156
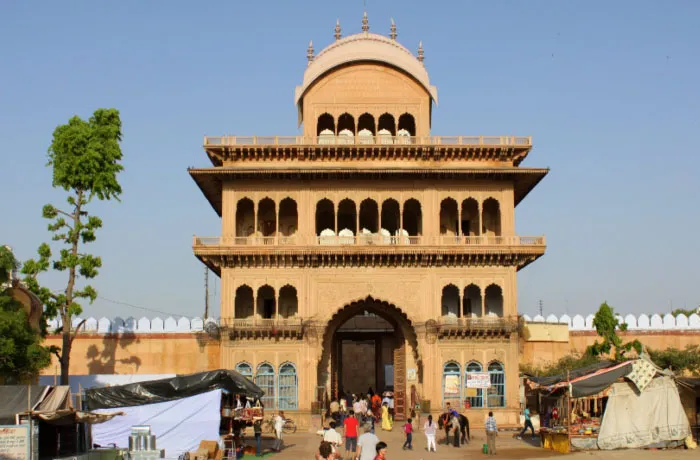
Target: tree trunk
x=65 y=351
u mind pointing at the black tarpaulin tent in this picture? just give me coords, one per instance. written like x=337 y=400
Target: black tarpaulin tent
x=586 y=381
x=19 y=399
x=182 y=386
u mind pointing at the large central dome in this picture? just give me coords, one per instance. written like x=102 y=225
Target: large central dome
x=362 y=47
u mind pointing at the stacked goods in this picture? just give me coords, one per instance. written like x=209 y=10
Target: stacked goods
x=142 y=444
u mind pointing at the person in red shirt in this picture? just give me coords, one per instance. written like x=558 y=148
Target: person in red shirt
x=350 y=426
x=408 y=431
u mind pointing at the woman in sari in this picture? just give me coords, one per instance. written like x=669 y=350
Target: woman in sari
x=387 y=424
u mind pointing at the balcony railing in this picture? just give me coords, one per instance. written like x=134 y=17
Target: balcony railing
x=256 y=326
x=482 y=141
x=453 y=325
x=369 y=240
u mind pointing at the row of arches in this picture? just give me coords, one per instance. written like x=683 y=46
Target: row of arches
x=281 y=388
x=391 y=219
x=470 y=302
x=386 y=125
x=265 y=218
x=455 y=388
x=470 y=218
x=265 y=303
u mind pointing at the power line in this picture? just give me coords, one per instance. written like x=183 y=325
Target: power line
x=140 y=308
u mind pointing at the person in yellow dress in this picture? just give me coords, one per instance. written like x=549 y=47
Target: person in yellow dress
x=387 y=424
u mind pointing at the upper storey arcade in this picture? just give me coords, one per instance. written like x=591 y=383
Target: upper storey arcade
x=365 y=96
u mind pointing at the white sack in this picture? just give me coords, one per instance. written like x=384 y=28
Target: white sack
x=633 y=420
x=179 y=425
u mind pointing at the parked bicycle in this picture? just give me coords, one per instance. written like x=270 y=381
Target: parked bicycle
x=289 y=426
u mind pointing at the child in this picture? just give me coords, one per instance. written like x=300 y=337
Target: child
x=408 y=431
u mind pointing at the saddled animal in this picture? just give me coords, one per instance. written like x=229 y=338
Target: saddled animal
x=445 y=424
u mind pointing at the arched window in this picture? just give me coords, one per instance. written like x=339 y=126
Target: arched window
x=287 y=390
x=391 y=216
x=448 y=217
x=346 y=123
x=386 y=122
x=243 y=303
x=470 y=218
x=491 y=218
x=325 y=216
x=412 y=217
x=366 y=123
x=474 y=395
x=407 y=123
x=450 y=301
x=472 y=301
x=245 y=217
x=451 y=384
x=369 y=216
x=265 y=379
x=289 y=303
x=267 y=217
x=347 y=216
x=494 y=300
x=245 y=370
x=267 y=304
x=289 y=217
x=497 y=391
x=325 y=123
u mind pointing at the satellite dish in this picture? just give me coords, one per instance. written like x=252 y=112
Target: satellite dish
x=212 y=329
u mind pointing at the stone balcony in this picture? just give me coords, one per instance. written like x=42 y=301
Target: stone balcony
x=223 y=149
x=236 y=328
x=367 y=250
x=486 y=326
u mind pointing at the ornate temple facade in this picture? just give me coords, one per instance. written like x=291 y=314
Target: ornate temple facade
x=368 y=252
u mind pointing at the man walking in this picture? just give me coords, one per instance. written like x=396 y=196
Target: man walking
x=279 y=423
x=491 y=433
x=528 y=424
x=350 y=426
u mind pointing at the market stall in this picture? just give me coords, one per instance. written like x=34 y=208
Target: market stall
x=589 y=408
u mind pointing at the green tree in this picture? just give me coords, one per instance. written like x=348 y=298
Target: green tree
x=21 y=354
x=86 y=159
x=606 y=326
x=567 y=363
x=679 y=311
x=679 y=361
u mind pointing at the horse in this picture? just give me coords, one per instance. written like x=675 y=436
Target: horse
x=444 y=424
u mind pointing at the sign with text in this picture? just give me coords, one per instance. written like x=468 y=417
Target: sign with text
x=478 y=380
x=14 y=442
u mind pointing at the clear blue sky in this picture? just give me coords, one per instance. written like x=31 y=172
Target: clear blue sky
x=609 y=91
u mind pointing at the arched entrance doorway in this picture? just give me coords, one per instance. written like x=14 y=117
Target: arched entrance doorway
x=369 y=343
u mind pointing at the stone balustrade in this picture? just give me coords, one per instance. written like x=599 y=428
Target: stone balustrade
x=183 y=324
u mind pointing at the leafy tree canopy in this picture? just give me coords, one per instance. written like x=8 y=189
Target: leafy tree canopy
x=21 y=353
x=606 y=326
x=679 y=361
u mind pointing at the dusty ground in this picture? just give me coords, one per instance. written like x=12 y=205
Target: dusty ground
x=304 y=445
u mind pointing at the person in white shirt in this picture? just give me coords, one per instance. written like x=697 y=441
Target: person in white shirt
x=367 y=444
x=430 y=429
x=279 y=423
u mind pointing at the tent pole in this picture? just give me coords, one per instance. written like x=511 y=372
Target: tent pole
x=568 y=409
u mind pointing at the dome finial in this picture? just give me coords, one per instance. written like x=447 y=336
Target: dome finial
x=365 y=23
x=310 y=52
x=337 y=29
x=420 y=52
x=393 y=33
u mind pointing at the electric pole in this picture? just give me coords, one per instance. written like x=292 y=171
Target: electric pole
x=206 y=292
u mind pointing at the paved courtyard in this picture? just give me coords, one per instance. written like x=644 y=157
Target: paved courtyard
x=304 y=446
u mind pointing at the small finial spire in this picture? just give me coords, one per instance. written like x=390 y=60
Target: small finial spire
x=310 y=52
x=393 y=30
x=337 y=29
x=420 y=52
x=365 y=23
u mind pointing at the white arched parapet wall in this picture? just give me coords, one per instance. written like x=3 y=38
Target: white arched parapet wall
x=118 y=325
x=183 y=324
x=197 y=324
x=90 y=325
x=527 y=319
x=53 y=324
x=589 y=322
x=619 y=319
x=631 y=321
x=578 y=323
x=694 y=321
x=144 y=325
x=75 y=322
x=538 y=319
x=643 y=322
x=157 y=325
x=565 y=319
x=669 y=321
x=552 y=319
x=104 y=326
x=656 y=322
x=170 y=325
x=681 y=321
x=130 y=324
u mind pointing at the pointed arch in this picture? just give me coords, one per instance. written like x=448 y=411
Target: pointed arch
x=391 y=216
x=472 y=301
x=289 y=217
x=265 y=379
x=451 y=384
x=497 y=392
x=407 y=123
x=245 y=217
x=413 y=217
x=325 y=123
x=448 y=217
x=267 y=217
x=266 y=307
x=450 y=301
x=325 y=216
x=493 y=300
x=287 y=387
x=491 y=218
x=289 y=302
x=243 y=302
x=346 y=122
x=386 y=122
x=472 y=367
x=369 y=215
x=347 y=216
x=245 y=369
x=469 y=225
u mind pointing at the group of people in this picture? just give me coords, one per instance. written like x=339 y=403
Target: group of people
x=368 y=408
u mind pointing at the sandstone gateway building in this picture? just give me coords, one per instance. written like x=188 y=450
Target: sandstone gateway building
x=368 y=252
